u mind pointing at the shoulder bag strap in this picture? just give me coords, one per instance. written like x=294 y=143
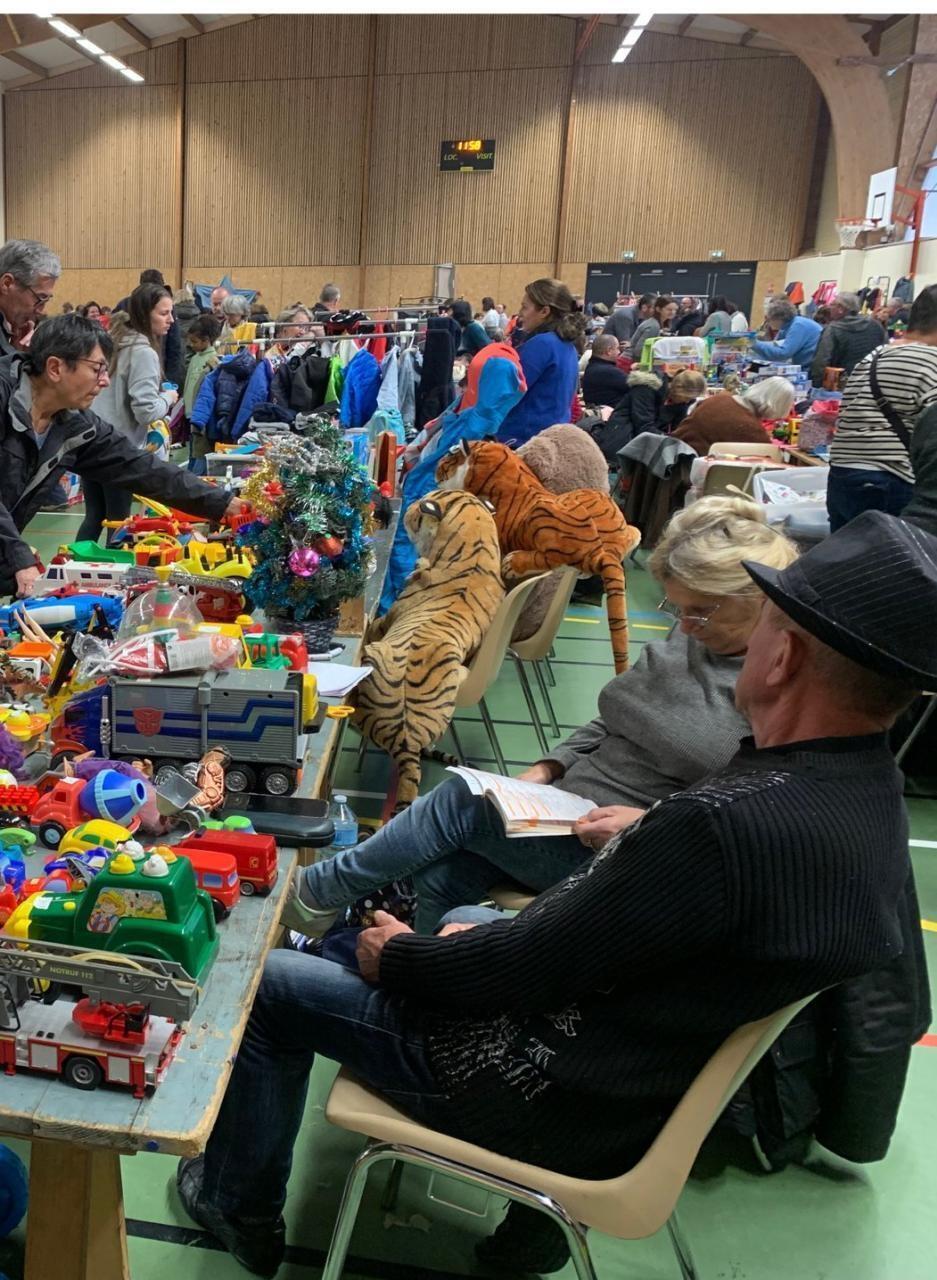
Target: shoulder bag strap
x=885 y=407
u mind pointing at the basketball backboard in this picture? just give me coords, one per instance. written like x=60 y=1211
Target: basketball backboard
x=881 y=198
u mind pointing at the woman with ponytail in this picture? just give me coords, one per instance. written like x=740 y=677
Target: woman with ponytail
x=553 y=340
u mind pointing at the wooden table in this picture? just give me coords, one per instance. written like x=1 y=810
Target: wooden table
x=75 y=1228
x=800 y=459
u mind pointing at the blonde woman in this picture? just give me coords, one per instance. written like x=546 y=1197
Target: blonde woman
x=661 y=727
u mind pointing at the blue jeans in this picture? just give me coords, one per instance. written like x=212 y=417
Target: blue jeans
x=454 y=846
x=852 y=490
x=304 y=1006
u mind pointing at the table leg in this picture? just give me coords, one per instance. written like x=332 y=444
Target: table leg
x=75 y=1229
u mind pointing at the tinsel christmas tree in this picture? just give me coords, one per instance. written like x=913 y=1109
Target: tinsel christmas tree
x=313 y=505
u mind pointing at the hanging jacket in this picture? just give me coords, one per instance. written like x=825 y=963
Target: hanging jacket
x=335 y=381
x=500 y=387
x=220 y=397
x=256 y=392
x=408 y=380
x=838 y=1071
x=386 y=416
x=436 y=377
x=300 y=382
x=360 y=390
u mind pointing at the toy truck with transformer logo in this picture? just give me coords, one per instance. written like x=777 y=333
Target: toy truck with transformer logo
x=260 y=718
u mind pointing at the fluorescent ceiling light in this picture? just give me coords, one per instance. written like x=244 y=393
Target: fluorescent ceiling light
x=631 y=38
x=90 y=47
x=621 y=53
x=131 y=75
x=64 y=28
x=110 y=61
x=642 y=20
x=45 y=16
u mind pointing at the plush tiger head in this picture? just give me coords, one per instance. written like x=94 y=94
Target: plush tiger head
x=470 y=465
x=444 y=512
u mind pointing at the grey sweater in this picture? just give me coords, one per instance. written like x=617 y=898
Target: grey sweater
x=133 y=399
x=664 y=725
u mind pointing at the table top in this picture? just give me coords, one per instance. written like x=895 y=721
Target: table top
x=801 y=459
x=178 y=1117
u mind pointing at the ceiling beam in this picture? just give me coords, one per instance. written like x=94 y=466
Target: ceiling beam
x=586 y=38
x=747 y=37
x=888 y=60
x=34 y=68
x=128 y=28
x=686 y=24
x=13 y=31
x=29 y=30
x=194 y=23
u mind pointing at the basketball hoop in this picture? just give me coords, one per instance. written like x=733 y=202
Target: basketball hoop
x=850 y=229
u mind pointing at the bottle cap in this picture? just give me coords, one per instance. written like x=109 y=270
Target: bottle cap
x=339 y=798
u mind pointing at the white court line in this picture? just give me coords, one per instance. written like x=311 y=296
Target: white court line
x=923 y=844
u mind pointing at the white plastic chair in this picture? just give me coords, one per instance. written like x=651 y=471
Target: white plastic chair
x=634 y=1205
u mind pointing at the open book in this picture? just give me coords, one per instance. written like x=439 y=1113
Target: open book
x=526 y=808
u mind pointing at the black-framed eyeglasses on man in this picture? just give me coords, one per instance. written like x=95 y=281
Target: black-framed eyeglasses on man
x=41 y=298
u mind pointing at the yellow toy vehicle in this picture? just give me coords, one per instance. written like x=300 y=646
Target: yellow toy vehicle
x=98 y=833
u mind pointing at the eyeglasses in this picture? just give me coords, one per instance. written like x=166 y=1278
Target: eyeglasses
x=676 y=612
x=41 y=298
x=99 y=366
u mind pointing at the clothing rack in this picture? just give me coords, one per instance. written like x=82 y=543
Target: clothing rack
x=395 y=336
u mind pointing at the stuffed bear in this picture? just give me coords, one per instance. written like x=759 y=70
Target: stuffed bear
x=563 y=457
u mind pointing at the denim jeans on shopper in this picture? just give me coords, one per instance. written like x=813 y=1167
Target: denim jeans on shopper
x=453 y=844
x=304 y=1006
x=852 y=490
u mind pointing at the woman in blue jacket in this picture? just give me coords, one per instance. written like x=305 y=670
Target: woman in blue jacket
x=554 y=338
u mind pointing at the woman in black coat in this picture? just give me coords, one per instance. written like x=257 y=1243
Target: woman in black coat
x=654 y=403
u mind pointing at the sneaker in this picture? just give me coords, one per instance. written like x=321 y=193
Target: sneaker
x=526 y=1242
x=300 y=911
x=258 y=1246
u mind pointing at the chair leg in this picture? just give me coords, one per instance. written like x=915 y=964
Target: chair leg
x=362 y=752
x=681 y=1249
x=551 y=678
x=548 y=702
x=392 y=1189
x=492 y=738
x=348 y=1211
x=456 y=742
x=531 y=705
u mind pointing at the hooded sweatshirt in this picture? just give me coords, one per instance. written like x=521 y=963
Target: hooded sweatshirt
x=133 y=399
x=844 y=343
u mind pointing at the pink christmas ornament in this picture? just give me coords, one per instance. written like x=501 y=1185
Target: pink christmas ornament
x=304 y=562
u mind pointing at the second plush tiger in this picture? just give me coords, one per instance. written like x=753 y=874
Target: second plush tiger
x=540 y=530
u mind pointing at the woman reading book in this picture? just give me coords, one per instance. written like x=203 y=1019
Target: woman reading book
x=665 y=724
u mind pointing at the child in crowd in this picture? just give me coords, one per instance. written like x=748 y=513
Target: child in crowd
x=201 y=337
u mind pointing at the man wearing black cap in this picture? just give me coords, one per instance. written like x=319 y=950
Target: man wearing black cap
x=565 y=1036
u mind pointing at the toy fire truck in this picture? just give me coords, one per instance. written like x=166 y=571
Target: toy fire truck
x=125 y=1031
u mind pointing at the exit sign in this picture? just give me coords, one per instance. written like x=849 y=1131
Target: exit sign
x=467 y=155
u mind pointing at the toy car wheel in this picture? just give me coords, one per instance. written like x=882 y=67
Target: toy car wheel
x=83 y=1073
x=247 y=889
x=278 y=782
x=51 y=834
x=219 y=910
x=239 y=778
x=167 y=770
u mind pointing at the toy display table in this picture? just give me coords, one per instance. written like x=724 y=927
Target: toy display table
x=800 y=459
x=75 y=1227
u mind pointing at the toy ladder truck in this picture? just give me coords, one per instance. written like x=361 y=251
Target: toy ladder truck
x=124 y=1031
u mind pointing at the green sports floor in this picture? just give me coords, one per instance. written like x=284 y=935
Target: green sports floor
x=827 y=1220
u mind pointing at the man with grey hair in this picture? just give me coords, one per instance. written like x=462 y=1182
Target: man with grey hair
x=603 y=382
x=329 y=300
x=29 y=272
x=847 y=339
x=796 y=337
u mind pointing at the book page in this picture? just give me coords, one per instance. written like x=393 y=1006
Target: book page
x=524 y=801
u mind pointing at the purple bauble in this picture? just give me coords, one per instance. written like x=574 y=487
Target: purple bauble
x=304 y=561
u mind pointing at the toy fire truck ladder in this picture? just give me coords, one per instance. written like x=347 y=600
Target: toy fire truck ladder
x=162 y=985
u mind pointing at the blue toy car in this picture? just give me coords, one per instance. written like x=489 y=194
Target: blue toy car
x=67 y=610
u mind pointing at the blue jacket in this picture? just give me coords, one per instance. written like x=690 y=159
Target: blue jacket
x=551 y=367
x=498 y=391
x=795 y=344
x=218 y=400
x=256 y=392
x=359 y=390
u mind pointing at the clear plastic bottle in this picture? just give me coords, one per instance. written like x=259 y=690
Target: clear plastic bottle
x=345 y=823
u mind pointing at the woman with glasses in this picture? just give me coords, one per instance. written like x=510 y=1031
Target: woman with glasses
x=134 y=396
x=667 y=723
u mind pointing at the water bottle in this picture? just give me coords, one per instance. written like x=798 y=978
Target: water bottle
x=345 y=823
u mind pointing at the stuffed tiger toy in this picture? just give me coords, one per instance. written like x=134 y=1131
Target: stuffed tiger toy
x=417 y=649
x=540 y=530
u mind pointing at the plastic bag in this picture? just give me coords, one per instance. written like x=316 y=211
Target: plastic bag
x=156 y=654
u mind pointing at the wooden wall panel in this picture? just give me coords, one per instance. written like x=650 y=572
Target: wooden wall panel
x=421 y=43
x=419 y=213
x=270 y=187
x=284 y=47
x=90 y=172
x=657 y=166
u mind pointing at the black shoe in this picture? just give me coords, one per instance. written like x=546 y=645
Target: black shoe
x=526 y=1242
x=257 y=1246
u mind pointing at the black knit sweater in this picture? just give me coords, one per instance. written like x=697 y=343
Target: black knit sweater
x=566 y=1035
